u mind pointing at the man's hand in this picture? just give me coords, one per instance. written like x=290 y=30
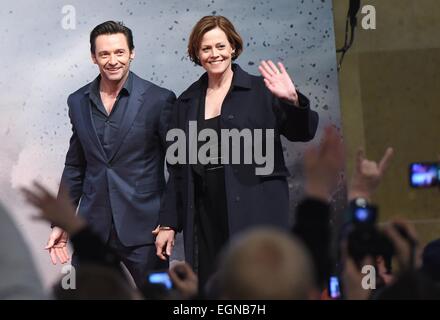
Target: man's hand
x=57 y=246
x=164 y=242
x=58 y=211
x=368 y=174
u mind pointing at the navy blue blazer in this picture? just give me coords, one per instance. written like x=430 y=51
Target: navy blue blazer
x=128 y=184
x=251 y=200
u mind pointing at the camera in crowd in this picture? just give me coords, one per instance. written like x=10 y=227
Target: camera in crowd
x=365 y=238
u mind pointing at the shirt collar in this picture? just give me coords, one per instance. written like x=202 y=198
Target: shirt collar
x=126 y=89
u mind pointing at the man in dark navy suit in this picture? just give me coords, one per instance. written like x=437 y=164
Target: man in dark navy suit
x=114 y=165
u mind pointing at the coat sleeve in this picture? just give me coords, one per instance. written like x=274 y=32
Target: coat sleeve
x=170 y=214
x=75 y=164
x=296 y=123
x=165 y=118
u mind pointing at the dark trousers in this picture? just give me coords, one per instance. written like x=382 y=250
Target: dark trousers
x=139 y=260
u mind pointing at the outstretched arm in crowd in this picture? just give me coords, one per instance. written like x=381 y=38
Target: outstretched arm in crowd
x=323 y=165
x=368 y=174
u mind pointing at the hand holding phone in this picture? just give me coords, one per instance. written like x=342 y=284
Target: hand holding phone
x=334 y=288
x=161 y=278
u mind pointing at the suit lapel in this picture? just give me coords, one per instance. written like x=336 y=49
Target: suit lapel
x=89 y=124
x=134 y=104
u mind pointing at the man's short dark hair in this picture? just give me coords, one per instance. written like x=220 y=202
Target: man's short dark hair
x=110 y=27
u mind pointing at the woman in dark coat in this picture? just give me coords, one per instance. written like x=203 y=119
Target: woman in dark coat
x=212 y=200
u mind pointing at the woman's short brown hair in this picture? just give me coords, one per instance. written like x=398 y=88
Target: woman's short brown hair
x=208 y=23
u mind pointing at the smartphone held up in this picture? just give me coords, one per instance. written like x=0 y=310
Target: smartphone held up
x=424 y=174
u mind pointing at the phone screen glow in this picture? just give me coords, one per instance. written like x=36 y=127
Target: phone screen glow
x=334 y=288
x=161 y=277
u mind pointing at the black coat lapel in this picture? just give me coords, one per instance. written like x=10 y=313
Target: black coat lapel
x=190 y=99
